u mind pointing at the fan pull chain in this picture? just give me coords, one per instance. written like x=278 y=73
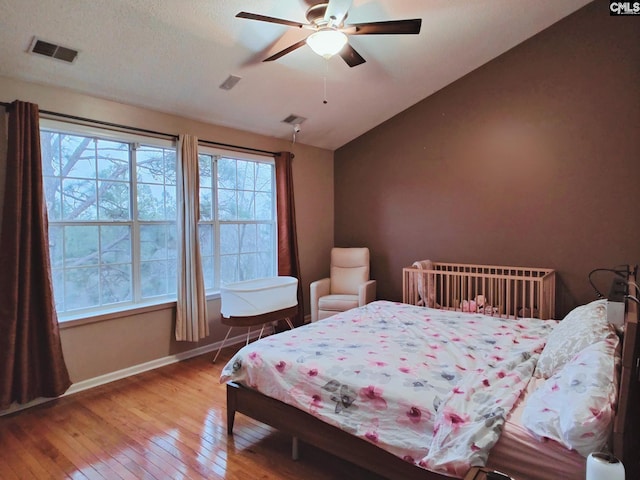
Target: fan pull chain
x=326 y=71
x=325 y=91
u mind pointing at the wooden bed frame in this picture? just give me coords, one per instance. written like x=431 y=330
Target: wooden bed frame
x=308 y=429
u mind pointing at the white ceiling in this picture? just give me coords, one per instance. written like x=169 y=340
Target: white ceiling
x=171 y=55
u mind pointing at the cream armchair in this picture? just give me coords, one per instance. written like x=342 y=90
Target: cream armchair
x=348 y=287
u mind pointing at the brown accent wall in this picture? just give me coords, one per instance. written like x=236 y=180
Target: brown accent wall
x=531 y=160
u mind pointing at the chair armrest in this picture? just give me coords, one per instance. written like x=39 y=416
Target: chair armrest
x=318 y=289
x=367 y=293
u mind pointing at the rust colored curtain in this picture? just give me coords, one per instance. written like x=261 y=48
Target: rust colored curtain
x=31 y=361
x=288 y=261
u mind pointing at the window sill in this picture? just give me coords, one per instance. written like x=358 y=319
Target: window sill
x=70 y=321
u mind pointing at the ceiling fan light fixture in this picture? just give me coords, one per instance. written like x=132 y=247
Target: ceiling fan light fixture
x=326 y=42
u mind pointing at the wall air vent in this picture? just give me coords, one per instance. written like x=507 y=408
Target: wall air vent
x=294 y=119
x=52 y=50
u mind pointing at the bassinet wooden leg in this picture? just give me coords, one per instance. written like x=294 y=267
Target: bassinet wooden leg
x=222 y=344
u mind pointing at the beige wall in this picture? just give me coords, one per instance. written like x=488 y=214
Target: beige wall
x=99 y=348
x=531 y=160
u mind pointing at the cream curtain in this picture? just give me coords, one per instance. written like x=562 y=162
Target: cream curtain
x=191 y=314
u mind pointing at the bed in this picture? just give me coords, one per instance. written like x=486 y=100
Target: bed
x=411 y=407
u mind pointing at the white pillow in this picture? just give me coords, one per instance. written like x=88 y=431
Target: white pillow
x=575 y=406
x=583 y=326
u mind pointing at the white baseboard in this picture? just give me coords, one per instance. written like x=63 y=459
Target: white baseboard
x=133 y=370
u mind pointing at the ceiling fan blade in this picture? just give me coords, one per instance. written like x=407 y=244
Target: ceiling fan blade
x=391 y=27
x=350 y=56
x=289 y=49
x=337 y=11
x=264 y=18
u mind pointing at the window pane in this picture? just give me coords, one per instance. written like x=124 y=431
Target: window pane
x=80 y=246
x=53 y=195
x=229 y=239
x=245 y=205
x=205 y=163
x=264 y=177
x=264 y=206
x=265 y=242
x=172 y=277
x=265 y=265
x=50 y=151
x=150 y=165
x=82 y=288
x=79 y=200
x=172 y=241
x=248 y=238
x=248 y=268
x=227 y=173
x=153 y=242
x=113 y=200
x=206 y=239
x=115 y=244
x=116 y=284
x=205 y=232
x=227 y=209
x=154 y=278
x=170 y=167
x=78 y=156
x=57 y=276
x=150 y=202
x=228 y=269
x=56 y=244
x=206 y=204
x=207 y=272
x=170 y=202
x=113 y=160
x=246 y=175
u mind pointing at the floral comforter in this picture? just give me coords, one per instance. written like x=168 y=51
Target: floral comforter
x=430 y=386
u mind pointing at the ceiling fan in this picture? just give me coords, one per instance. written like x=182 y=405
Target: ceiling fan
x=329 y=36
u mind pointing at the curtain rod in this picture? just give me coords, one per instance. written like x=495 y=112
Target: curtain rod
x=150 y=132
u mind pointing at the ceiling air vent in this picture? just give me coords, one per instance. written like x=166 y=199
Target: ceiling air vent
x=230 y=82
x=52 y=50
x=294 y=119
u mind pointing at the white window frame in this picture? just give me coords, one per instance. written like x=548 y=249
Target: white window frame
x=111 y=311
x=217 y=153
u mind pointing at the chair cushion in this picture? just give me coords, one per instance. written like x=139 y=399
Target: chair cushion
x=349 y=269
x=338 y=303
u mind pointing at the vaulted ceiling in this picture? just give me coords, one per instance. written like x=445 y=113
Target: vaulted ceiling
x=172 y=56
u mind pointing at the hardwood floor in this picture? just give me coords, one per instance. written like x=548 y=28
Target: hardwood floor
x=168 y=423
